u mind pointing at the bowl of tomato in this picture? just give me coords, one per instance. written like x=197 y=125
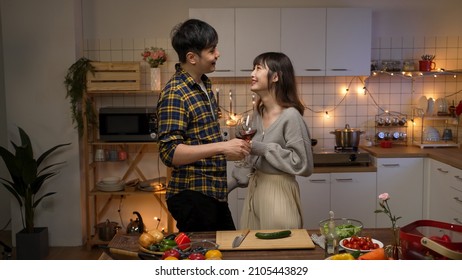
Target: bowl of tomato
x=357 y=243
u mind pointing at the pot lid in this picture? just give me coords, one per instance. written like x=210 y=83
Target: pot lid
x=347 y=129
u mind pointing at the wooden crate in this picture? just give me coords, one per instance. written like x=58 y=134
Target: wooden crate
x=114 y=76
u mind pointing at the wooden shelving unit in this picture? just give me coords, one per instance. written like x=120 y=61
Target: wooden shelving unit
x=97 y=203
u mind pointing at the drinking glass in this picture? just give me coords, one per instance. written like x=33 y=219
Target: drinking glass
x=245 y=130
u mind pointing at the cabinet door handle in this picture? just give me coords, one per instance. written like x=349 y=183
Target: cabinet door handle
x=318 y=180
x=223 y=70
x=457 y=199
x=338 y=69
x=442 y=171
x=344 y=180
x=457 y=221
x=246 y=70
x=313 y=69
x=390 y=165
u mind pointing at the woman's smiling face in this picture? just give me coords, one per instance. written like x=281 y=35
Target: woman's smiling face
x=260 y=78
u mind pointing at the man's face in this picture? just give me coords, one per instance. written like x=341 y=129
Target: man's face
x=208 y=59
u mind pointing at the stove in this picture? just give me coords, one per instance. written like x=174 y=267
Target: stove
x=341 y=157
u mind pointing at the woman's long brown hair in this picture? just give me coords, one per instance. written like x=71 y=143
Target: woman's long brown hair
x=285 y=88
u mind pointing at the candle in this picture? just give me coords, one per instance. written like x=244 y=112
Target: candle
x=230 y=103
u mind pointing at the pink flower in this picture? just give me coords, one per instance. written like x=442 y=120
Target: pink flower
x=154 y=56
x=384 y=196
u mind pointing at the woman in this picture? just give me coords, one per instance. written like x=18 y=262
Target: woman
x=281 y=148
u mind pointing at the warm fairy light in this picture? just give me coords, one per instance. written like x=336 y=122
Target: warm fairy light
x=232 y=120
x=327 y=115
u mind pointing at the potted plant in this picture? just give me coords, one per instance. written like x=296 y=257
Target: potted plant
x=76 y=84
x=28 y=175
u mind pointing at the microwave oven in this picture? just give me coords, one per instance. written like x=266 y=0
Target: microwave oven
x=127 y=124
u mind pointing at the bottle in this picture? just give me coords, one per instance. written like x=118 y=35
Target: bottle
x=331 y=238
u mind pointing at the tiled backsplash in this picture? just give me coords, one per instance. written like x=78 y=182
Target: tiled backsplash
x=331 y=102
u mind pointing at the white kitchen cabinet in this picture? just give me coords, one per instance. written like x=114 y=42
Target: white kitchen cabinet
x=319 y=41
x=258 y=30
x=402 y=179
x=222 y=19
x=327 y=42
x=315 y=198
x=348 y=37
x=444 y=193
x=303 y=39
x=353 y=196
x=349 y=195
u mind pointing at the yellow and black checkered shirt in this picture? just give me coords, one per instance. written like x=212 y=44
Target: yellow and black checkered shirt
x=186 y=116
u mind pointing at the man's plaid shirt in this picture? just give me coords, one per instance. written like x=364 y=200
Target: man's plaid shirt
x=185 y=117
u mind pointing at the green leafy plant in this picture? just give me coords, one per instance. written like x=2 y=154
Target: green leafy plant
x=76 y=85
x=27 y=176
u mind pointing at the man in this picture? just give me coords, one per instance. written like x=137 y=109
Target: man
x=189 y=134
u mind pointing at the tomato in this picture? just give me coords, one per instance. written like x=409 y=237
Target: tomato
x=171 y=253
x=443 y=238
x=446 y=238
x=360 y=243
x=196 y=256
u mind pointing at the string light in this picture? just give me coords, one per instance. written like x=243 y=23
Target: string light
x=327 y=115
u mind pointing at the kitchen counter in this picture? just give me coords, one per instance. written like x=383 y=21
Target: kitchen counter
x=126 y=246
x=450 y=156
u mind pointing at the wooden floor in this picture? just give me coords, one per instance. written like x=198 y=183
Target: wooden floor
x=56 y=253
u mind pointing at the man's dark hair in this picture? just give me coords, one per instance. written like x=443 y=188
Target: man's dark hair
x=194 y=36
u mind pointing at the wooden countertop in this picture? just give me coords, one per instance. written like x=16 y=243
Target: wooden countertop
x=130 y=249
x=450 y=156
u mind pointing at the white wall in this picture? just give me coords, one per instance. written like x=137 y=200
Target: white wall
x=38 y=47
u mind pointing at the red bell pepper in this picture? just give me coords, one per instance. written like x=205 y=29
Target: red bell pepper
x=182 y=240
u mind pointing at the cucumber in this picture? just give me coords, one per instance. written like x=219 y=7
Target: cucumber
x=273 y=235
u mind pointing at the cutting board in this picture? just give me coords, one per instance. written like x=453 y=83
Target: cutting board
x=299 y=239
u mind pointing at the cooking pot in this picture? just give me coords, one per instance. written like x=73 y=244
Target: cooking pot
x=347 y=137
x=107 y=230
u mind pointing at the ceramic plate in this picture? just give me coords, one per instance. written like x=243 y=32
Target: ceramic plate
x=441 y=105
x=101 y=186
x=422 y=103
x=362 y=251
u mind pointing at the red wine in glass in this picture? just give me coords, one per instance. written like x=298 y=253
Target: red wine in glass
x=247 y=135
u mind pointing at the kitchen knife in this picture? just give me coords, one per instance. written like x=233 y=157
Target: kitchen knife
x=238 y=239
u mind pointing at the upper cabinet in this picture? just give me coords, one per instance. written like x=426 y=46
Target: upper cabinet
x=319 y=41
x=348 y=37
x=303 y=39
x=223 y=22
x=258 y=30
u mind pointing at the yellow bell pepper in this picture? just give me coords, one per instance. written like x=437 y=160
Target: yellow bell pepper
x=344 y=256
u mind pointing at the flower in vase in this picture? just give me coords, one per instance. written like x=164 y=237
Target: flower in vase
x=385 y=208
x=154 y=56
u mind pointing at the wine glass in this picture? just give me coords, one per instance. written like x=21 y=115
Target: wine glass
x=245 y=130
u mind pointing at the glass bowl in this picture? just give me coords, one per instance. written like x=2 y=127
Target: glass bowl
x=345 y=227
